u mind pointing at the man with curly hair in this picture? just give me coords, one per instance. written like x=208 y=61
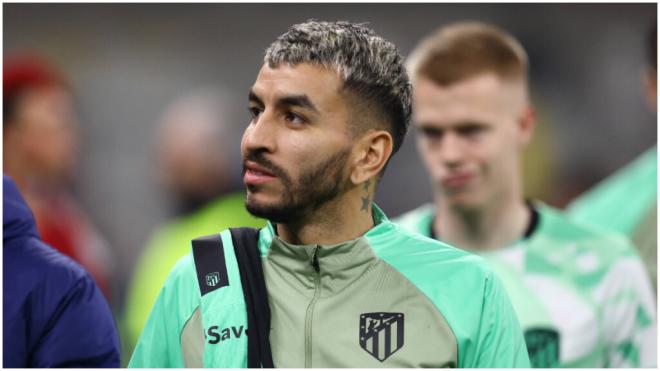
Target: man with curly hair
x=342 y=286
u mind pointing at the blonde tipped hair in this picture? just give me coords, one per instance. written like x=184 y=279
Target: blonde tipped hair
x=465 y=49
x=372 y=68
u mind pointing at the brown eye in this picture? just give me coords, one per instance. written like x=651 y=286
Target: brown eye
x=254 y=112
x=294 y=118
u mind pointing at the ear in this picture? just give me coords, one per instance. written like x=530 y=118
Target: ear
x=370 y=155
x=526 y=125
x=651 y=88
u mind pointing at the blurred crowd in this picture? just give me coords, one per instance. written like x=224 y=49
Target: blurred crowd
x=194 y=162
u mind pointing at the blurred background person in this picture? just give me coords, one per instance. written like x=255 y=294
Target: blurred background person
x=54 y=315
x=627 y=201
x=188 y=136
x=196 y=166
x=40 y=152
x=582 y=296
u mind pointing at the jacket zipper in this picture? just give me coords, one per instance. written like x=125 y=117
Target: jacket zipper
x=310 y=309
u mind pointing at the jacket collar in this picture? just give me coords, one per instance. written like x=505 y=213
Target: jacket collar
x=332 y=267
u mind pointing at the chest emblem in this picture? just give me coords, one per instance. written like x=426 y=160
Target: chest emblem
x=381 y=334
x=212 y=279
x=543 y=347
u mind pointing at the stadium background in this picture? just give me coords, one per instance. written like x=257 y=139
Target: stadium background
x=126 y=62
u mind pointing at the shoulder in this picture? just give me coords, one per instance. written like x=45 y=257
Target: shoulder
x=557 y=226
x=597 y=261
x=417 y=220
x=183 y=275
x=426 y=261
x=179 y=296
x=462 y=286
x=54 y=297
x=400 y=241
x=41 y=264
x=37 y=273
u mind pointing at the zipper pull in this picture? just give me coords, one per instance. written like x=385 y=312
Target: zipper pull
x=315 y=260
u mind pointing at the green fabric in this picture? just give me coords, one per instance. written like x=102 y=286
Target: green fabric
x=626 y=202
x=464 y=290
x=223 y=330
x=576 y=290
x=317 y=317
x=159 y=344
x=645 y=239
x=623 y=199
x=446 y=304
x=167 y=245
x=225 y=309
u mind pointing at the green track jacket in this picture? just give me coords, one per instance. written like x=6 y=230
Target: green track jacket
x=387 y=299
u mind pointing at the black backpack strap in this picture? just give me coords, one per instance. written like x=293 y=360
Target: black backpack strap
x=209 y=257
x=256 y=296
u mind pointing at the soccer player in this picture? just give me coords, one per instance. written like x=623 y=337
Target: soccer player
x=627 y=201
x=582 y=297
x=344 y=287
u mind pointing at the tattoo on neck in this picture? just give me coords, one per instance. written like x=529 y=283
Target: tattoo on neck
x=365 y=204
x=366 y=201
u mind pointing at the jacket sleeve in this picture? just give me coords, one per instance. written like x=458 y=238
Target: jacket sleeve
x=500 y=342
x=80 y=332
x=159 y=344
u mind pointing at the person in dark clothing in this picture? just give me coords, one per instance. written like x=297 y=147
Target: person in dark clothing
x=54 y=313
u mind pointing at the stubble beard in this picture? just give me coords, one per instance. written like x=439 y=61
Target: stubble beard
x=315 y=188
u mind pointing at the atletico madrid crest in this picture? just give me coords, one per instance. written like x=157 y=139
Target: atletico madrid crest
x=381 y=334
x=212 y=279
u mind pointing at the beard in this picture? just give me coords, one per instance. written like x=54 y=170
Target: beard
x=314 y=188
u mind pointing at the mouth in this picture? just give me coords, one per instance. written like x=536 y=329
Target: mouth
x=256 y=174
x=456 y=181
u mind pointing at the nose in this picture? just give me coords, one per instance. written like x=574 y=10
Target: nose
x=260 y=135
x=451 y=149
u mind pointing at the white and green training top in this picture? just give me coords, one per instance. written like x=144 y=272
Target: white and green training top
x=582 y=297
x=389 y=298
x=627 y=202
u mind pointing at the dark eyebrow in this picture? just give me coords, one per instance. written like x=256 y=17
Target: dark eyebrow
x=252 y=97
x=297 y=100
x=287 y=101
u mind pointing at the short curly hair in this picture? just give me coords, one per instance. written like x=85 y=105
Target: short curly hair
x=371 y=67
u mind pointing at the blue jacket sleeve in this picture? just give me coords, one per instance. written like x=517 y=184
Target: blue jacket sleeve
x=79 y=332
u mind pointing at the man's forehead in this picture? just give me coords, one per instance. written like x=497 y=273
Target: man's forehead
x=477 y=87
x=302 y=78
x=484 y=94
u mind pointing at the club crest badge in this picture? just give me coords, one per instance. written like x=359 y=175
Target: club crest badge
x=543 y=347
x=381 y=334
x=212 y=279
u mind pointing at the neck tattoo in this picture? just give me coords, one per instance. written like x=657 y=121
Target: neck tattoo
x=366 y=201
x=365 y=204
